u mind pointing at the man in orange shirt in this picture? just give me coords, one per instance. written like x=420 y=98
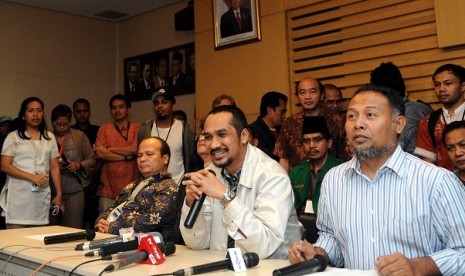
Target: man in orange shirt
x=116 y=146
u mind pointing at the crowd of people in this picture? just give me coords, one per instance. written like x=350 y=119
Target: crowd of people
x=378 y=181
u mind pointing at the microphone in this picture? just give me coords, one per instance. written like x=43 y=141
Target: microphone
x=88 y=235
x=317 y=264
x=195 y=209
x=98 y=244
x=251 y=259
x=148 y=252
x=167 y=248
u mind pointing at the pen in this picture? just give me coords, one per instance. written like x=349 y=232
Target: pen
x=302 y=239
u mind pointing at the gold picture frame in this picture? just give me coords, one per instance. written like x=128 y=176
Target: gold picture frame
x=235 y=22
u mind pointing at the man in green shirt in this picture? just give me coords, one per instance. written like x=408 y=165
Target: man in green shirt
x=307 y=176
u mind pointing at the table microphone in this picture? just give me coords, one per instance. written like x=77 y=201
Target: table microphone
x=195 y=209
x=98 y=244
x=168 y=248
x=251 y=259
x=317 y=264
x=89 y=235
x=148 y=252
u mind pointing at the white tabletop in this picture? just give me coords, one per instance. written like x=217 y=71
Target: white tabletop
x=29 y=241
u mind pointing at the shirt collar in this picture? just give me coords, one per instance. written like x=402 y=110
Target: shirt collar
x=395 y=163
x=457 y=112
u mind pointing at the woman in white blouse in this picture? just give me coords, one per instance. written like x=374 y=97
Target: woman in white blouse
x=29 y=157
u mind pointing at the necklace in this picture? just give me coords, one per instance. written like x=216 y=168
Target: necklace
x=169 y=130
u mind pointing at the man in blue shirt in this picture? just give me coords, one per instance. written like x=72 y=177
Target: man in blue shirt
x=386 y=209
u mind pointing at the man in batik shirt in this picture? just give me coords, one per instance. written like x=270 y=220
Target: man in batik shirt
x=145 y=204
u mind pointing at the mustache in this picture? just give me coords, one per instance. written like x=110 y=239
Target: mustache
x=213 y=151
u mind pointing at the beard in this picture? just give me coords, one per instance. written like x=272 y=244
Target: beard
x=372 y=152
x=219 y=163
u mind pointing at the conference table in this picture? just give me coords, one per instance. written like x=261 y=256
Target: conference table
x=22 y=251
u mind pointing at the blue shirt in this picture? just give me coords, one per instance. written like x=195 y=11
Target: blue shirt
x=410 y=206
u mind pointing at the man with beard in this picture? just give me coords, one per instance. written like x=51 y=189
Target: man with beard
x=116 y=146
x=449 y=85
x=386 y=209
x=176 y=133
x=249 y=200
x=307 y=176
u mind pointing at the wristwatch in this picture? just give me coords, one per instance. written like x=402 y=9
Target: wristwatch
x=228 y=196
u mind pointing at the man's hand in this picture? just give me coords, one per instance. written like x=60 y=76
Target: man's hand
x=397 y=265
x=103 y=226
x=300 y=252
x=201 y=182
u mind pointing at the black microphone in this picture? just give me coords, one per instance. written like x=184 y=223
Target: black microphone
x=317 y=264
x=195 y=209
x=89 y=235
x=167 y=248
x=115 y=247
x=251 y=259
x=98 y=244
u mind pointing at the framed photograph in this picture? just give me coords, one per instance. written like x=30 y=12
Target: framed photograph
x=235 y=22
x=172 y=69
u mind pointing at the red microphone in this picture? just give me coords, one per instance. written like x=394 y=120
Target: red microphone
x=148 y=252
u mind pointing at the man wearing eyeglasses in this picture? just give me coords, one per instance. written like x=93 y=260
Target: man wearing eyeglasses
x=116 y=146
x=307 y=176
x=332 y=99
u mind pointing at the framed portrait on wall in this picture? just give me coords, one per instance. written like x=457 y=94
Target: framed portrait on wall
x=173 y=69
x=235 y=22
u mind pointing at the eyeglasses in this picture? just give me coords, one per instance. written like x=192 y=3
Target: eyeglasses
x=58 y=124
x=335 y=102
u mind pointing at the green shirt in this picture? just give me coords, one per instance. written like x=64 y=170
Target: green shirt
x=300 y=181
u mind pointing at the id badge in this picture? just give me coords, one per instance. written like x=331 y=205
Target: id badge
x=35 y=188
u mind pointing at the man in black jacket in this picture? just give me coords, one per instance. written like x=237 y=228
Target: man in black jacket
x=266 y=127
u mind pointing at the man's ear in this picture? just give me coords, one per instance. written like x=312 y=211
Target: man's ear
x=400 y=122
x=166 y=159
x=245 y=136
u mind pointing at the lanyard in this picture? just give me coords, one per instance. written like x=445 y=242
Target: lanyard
x=62 y=146
x=120 y=133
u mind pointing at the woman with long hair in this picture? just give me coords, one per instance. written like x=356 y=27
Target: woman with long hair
x=77 y=162
x=29 y=157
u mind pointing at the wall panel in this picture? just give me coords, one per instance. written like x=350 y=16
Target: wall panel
x=341 y=41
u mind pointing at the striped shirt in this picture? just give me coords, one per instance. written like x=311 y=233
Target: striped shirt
x=410 y=206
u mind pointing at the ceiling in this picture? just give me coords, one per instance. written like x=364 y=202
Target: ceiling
x=111 y=10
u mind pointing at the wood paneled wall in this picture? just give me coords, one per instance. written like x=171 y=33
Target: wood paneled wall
x=342 y=41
